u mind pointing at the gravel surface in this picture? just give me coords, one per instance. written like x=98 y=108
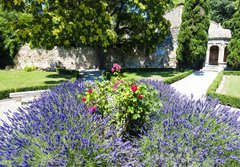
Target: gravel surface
x=196 y=84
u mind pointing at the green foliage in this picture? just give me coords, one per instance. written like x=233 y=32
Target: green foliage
x=233 y=59
x=221 y=10
x=193 y=34
x=133 y=103
x=224 y=99
x=133 y=107
x=9 y=43
x=178 y=77
x=30 y=68
x=231 y=72
x=133 y=23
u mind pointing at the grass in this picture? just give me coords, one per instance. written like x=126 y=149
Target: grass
x=231 y=86
x=16 y=79
x=161 y=75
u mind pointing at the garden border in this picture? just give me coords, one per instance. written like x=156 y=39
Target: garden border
x=224 y=99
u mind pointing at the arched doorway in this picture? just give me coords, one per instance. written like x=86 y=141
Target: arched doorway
x=225 y=54
x=213 y=57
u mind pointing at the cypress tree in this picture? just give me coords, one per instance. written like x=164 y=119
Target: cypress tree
x=193 y=34
x=233 y=59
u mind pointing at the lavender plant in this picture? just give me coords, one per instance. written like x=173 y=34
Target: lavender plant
x=191 y=133
x=57 y=130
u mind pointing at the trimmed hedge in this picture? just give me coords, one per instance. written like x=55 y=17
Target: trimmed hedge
x=178 y=77
x=231 y=72
x=224 y=99
x=171 y=80
x=5 y=93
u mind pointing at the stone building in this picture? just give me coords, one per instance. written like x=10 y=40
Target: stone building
x=218 y=39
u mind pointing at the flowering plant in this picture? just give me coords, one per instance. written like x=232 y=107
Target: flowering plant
x=132 y=103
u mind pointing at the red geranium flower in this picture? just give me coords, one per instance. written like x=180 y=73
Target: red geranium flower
x=134 y=88
x=140 y=96
x=89 y=90
x=84 y=99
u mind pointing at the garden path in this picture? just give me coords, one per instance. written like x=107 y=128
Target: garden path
x=196 y=84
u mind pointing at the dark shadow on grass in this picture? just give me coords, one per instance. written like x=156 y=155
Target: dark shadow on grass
x=54 y=82
x=61 y=76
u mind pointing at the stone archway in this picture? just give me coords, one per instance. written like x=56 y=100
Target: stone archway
x=213 y=56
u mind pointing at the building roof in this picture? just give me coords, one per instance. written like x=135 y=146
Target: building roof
x=216 y=31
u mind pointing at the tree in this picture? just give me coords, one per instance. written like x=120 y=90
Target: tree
x=233 y=59
x=193 y=34
x=9 y=42
x=133 y=23
x=221 y=10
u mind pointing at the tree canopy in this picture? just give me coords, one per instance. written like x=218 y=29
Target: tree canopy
x=233 y=59
x=221 y=10
x=193 y=34
x=133 y=23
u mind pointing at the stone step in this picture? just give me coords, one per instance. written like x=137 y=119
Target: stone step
x=212 y=68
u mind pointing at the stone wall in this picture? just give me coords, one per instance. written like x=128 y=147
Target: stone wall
x=73 y=58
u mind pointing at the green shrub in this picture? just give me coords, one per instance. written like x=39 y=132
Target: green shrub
x=178 y=77
x=133 y=102
x=30 y=68
x=231 y=72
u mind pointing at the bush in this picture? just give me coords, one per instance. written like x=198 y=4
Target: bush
x=178 y=77
x=231 y=72
x=190 y=133
x=30 y=68
x=132 y=103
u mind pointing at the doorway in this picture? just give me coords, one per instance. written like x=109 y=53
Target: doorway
x=213 y=57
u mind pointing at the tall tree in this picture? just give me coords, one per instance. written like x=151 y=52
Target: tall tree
x=221 y=10
x=233 y=59
x=193 y=34
x=98 y=23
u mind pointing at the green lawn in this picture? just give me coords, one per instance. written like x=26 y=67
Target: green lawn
x=15 y=79
x=161 y=75
x=231 y=86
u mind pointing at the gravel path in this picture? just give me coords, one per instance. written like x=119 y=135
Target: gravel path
x=195 y=84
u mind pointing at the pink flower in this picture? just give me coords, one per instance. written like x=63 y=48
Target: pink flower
x=84 y=99
x=89 y=90
x=116 y=67
x=140 y=96
x=115 y=86
x=134 y=88
x=92 y=109
x=112 y=70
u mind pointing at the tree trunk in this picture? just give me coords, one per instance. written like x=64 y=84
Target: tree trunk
x=100 y=56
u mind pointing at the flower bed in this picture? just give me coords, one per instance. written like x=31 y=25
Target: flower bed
x=59 y=129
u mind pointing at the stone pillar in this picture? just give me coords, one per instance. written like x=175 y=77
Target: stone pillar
x=221 y=54
x=207 y=54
